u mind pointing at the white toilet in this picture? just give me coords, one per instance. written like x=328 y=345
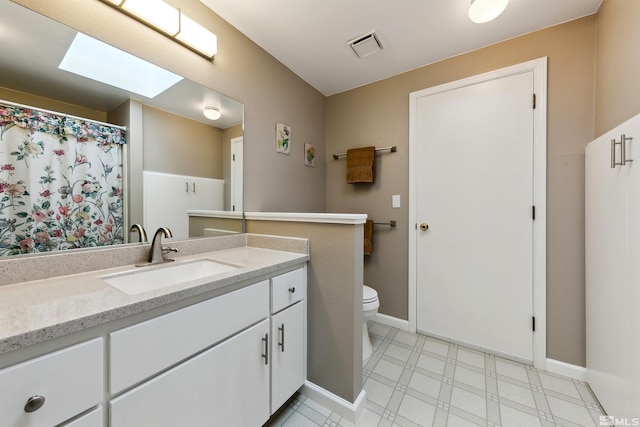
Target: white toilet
x=370 y=306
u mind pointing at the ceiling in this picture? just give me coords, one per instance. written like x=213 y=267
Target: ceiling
x=310 y=36
x=33 y=46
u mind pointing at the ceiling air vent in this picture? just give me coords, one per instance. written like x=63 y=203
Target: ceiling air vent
x=366 y=45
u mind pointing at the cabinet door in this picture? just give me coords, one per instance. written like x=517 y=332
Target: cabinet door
x=166 y=199
x=227 y=385
x=633 y=279
x=206 y=194
x=287 y=354
x=605 y=241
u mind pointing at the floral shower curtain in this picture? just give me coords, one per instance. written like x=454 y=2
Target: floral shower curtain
x=60 y=182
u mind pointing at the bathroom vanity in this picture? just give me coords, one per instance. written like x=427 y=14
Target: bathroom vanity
x=227 y=349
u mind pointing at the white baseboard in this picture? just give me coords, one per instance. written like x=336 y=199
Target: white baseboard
x=394 y=322
x=335 y=403
x=568 y=370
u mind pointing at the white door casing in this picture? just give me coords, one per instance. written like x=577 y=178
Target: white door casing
x=237 y=156
x=460 y=160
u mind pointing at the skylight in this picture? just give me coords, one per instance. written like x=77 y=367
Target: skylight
x=99 y=61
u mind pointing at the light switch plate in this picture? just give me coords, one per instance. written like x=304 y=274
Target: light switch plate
x=395 y=201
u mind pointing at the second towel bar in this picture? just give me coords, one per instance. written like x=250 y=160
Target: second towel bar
x=391 y=223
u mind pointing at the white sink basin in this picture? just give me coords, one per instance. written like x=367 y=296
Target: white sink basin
x=151 y=278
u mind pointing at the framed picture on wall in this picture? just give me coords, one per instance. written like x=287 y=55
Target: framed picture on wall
x=283 y=138
x=309 y=154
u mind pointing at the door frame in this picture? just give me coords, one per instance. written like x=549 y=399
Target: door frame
x=235 y=174
x=539 y=68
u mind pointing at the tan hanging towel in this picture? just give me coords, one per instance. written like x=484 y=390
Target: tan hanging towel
x=368 y=237
x=361 y=165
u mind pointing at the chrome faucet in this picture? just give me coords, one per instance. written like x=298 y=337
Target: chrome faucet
x=140 y=229
x=156 y=256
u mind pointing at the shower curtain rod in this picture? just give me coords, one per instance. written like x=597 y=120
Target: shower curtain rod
x=57 y=113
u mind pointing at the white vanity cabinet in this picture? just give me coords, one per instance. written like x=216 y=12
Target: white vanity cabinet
x=54 y=387
x=226 y=360
x=288 y=336
x=232 y=360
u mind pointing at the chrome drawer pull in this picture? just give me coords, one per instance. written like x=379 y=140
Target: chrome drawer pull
x=265 y=355
x=34 y=403
x=281 y=343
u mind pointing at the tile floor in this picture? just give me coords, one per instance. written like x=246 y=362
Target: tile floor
x=413 y=380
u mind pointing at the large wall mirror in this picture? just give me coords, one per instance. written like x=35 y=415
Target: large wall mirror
x=175 y=159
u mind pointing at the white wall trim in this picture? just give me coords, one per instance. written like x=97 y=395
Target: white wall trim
x=539 y=68
x=335 y=403
x=391 y=321
x=567 y=369
x=329 y=218
x=215 y=214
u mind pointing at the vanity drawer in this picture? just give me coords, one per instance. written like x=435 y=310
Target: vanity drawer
x=141 y=350
x=70 y=380
x=287 y=289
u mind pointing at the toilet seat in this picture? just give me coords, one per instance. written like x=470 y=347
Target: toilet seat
x=369 y=298
x=369 y=294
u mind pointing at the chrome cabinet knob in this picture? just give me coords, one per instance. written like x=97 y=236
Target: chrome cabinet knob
x=34 y=403
x=424 y=226
x=292 y=290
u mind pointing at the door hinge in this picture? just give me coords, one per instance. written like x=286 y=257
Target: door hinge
x=533 y=212
x=533 y=323
x=234 y=158
x=534 y=101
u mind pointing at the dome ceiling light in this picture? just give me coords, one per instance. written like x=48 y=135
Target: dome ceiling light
x=482 y=11
x=212 y=113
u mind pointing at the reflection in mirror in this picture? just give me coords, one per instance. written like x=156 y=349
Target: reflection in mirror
x=176 y=162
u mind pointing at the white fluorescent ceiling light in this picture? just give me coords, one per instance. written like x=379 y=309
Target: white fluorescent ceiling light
x=157 y=13
x=171 y=22
x=99 y=61
x=197 y=37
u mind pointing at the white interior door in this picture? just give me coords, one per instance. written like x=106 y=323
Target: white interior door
x=237 y=155
x=474 y=158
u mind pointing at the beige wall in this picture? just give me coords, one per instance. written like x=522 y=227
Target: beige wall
x=271 y=93
x=177 y=145
x=334 y=295
x=378 y=114
x=51 y=104
x=617 y=64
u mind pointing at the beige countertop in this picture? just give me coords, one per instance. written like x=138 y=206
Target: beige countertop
x=38 y=310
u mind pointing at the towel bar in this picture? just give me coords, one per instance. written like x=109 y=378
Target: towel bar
x=391 y=223
x=391 y=149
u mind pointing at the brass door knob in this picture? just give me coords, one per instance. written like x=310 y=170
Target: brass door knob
x=424 y=226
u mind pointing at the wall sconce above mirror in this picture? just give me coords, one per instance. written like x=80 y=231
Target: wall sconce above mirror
x=171 y=22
